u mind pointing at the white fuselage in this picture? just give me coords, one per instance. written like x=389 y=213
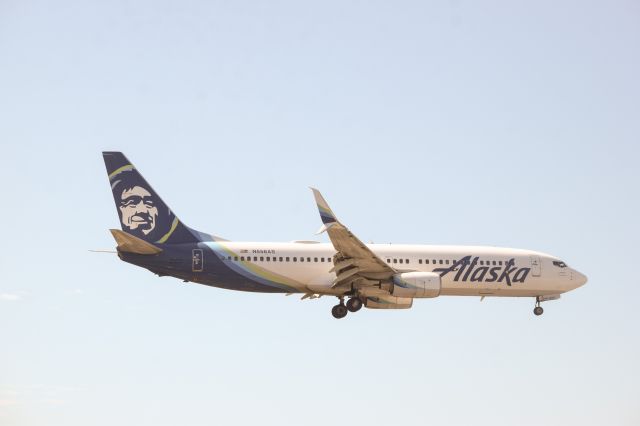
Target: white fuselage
x=489 y=271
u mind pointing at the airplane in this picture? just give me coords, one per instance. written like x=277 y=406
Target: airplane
x=376 y=276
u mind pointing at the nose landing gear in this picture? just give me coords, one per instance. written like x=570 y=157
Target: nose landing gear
x=538 y=309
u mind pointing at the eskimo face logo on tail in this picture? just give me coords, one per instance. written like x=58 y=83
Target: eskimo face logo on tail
x=138 y=210
x=141 y=211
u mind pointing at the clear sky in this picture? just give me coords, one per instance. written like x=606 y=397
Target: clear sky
x=448 y=122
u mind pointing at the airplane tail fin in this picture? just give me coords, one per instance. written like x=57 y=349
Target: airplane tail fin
x=142 y=212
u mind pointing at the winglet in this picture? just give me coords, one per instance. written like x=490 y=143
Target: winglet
x=326 y=215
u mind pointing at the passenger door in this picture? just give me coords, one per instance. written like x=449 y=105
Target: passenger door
x=536 y=267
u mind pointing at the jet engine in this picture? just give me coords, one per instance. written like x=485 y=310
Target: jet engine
x=416 y=284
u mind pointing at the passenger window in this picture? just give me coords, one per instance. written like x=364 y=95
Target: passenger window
x=235 y=258
x=322 y=259
x=446 y=261
x=426 y=261
x=441 y=261
x=242 y=258
x=434 y=261
x=395 y=260
x=500 y=262
x=228 y=257
x=261 y=259
x=287 y=258
x=308 y=259
x=406 y=261
x=280 y=259
x=315 y=259
x=302 y=259
x=420 y=261
x=388 y=260
x=295 y=259
x=268 y=259
x=400 y=260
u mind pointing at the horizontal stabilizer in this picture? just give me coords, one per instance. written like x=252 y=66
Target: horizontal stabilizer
x=130 y=244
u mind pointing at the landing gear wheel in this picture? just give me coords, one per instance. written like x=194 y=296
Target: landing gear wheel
x=339 y=311
x=354 y=304
x=538 y=310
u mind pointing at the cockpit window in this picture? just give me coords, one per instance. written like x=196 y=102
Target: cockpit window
x=559 y=264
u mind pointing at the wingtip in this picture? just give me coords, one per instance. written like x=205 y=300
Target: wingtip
x=326 y=214
x=317 y=195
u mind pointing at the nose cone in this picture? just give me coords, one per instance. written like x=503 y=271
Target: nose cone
x=578 y=278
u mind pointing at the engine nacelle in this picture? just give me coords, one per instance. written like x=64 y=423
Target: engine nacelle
x=416 y=284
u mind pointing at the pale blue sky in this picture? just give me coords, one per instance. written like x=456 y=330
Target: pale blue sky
x=498 y=123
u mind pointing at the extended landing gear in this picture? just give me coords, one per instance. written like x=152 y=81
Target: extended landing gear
x=354 y=304
x=339 y=311
x=538 y=309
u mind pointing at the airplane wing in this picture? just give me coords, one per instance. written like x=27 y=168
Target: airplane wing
x=354 y=262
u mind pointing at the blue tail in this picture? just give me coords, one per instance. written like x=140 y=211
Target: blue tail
x=141 y=211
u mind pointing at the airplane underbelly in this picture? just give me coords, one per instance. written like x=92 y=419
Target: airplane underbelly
x=470 y=289
x=531 y=288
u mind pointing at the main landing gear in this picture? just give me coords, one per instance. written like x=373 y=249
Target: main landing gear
x=339 y=311
x=538 y=309
x=354 y=304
